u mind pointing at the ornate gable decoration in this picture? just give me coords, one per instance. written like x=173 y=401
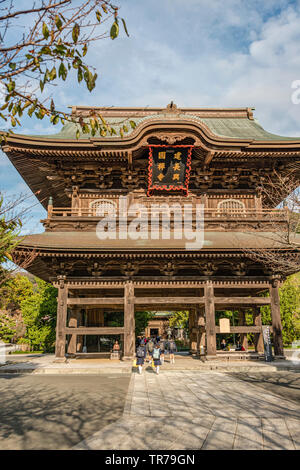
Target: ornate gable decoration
x=169 y=168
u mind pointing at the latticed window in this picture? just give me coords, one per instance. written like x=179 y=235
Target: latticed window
x=102 y=207
x=232 y=206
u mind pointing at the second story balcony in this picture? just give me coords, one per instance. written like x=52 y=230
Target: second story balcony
x=219 y=218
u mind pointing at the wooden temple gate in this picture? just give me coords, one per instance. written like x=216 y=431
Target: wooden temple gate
x=218 y=159
x=202 y=324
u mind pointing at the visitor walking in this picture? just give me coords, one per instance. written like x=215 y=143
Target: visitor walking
x=156 y=358
x=140 y=357
x=150 y=348
x=162 y=350
x=172 y=351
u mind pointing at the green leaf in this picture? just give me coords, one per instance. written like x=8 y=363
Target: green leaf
x=45 y=31
x=42 y=84
x=114 y=30
x=62 y=71
x=98 y=15
x=10 y=86
x=13 y=65
x=13 y=121
x=45 y=50
x=77 y=134
x=84 y=50
x=52 y=74
x=104 y=8
x=125 y=128
x=58 y=22
x=125 y=27
x=75 y=32
x=133 y=124
x=54 y=119
x=79 y=75
x=52 y=106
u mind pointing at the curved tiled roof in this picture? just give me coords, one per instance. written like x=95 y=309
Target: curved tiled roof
x=86 y=241
x=227 y=127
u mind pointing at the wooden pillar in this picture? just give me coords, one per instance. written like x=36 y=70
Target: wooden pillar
x=276 y=320
x=129 y=321
x=101 y=317
x=73 y=323
x=200 y=331
x=211 y=346
x=258 y=337
x=193 y=333
x=60 y=345
x=242 y=322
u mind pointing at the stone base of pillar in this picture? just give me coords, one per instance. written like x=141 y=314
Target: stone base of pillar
x=211 y=357
x=60 y=360
x=127 y=358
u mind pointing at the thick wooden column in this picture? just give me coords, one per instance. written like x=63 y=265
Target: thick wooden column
x=101 y=317
x=242 y=322
x=192 y=328
x=73 y=323
x=211 y=346
x=258 y=337
x=200 y=331
x=60 y=345
x=276 y=320
x=129 y=321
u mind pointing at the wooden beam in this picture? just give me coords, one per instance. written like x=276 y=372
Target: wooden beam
x=73 y=323
x=242 y=329
x=201 y=300
x=90 y=330
x=208 y=158
x=243 y=300
x=169 y=300
x=129 y=321
x=258 y=337
x=276 y=320
x=95 y=301
x=243 y=335
x=60 y=345
x=211 y=345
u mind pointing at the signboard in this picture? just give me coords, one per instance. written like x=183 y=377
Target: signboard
x=224 y=325
x=169 y=168
x=267 y=343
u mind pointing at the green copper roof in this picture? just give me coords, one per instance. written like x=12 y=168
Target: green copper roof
x=236 y=128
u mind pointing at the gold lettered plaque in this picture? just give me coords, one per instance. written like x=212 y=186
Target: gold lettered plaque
x=224 y=325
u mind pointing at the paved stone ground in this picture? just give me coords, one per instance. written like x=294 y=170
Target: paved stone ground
x=200 y=410
x=56 y=412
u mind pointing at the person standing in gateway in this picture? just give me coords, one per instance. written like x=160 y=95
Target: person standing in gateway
x=156 y=357
x=172 y=351
x=140 y=356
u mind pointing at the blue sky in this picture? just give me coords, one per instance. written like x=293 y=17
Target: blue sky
x=197 y=53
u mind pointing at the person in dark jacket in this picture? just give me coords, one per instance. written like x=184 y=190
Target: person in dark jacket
x=162 y=350
x=172 y=351
x=156 y=357
x=140 y=357
x=150 y=347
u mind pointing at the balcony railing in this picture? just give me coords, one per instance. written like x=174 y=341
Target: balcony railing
x=257 y=214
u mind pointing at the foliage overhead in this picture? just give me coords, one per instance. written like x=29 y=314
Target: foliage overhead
x=41 y=45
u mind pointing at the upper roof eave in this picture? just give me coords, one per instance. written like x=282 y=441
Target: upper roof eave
x=126 y=142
